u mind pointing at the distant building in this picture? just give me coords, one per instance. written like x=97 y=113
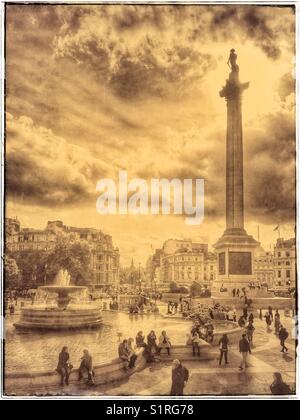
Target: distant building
x=182 y=262
x=264 y=267
x=104 y=257
x=285 y=262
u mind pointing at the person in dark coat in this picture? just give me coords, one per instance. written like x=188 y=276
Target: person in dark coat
x=278 y=387
x=268 y=319
x=180 y=376
x=250 y=332
x=64 y=367
x=245 y=350
x=124 y=353
x=283 y=335
x=140 y=340
x=242 y=322
x=223 y=343
x=152 y=348
x=277 y=322
x=86 y=365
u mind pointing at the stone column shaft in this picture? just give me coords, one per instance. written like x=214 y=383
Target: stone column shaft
x=234 y=165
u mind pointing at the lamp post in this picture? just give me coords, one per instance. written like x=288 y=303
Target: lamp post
x=140 y=280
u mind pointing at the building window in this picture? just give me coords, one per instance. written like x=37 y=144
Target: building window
x=287 y=253
x=288 y=263
x=279 y=274
x=288 y=274
x=279 y=254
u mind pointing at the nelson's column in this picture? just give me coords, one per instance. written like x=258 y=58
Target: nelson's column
x=235 y=249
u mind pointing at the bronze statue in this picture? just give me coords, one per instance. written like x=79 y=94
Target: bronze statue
x=232 y=60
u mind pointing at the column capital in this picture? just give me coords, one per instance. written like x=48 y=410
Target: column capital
x=233 y=88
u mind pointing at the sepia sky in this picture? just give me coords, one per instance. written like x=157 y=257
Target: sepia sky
x=95 y=89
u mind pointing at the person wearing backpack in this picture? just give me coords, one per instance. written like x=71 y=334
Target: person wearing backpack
x=283 y=336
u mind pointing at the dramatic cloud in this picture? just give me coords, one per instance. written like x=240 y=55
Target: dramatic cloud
x=151 y=50
x=95 y=89
x=270 y=166
x=43 y=169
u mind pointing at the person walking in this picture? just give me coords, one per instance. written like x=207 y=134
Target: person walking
x=196 y=339
x=164 y=343
x=268 y=321
x=209 y=332
x=86 y=365
x=277 y=322
x=270 y=310
x=245 y=350
x=251 y=318
x=250 y=332
x=180 y=377
x=64 y=367
x=283 y=336
x=279 y=387
x=241 y=322
x=223 y=344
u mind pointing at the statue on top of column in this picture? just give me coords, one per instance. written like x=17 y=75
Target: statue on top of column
x=232 y=61
x=233 y=88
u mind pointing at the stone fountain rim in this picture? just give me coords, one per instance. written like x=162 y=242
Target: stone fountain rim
x=57 y=288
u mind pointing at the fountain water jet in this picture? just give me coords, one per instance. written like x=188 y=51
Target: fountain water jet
x=65 y=312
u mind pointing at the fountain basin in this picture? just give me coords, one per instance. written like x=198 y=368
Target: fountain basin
x=66 y=310
x=54 y=318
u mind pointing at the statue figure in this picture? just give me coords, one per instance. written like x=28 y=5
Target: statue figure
x=232 y=60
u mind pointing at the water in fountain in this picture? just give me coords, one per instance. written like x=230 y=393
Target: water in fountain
x=64 y=306
x=62 y=278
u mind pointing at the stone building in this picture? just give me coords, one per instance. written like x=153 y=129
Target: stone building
x=285 y=263
x=182 y=262
x=104 y=257
x=264 y=267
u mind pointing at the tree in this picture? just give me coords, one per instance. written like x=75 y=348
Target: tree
x=31 y=264
x=12 y=273
x=196 y=289
x=73 y=256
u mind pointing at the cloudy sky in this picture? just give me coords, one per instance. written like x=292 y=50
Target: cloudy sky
x=95 y=89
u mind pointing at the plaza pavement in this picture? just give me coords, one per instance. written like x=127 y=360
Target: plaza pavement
x=207 y=378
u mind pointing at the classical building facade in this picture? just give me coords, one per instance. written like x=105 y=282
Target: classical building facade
x=182 y=262
x=285 y=263
x=104 y=257
x=264 y=267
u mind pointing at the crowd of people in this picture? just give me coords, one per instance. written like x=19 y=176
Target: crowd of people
x=154 y=345
x=279 y=328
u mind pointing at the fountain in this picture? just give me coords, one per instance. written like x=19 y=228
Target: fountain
x=60 y=306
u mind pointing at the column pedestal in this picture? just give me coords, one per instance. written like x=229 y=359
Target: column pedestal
x=235 y=252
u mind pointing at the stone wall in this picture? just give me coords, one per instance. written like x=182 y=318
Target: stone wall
x=41 y=383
